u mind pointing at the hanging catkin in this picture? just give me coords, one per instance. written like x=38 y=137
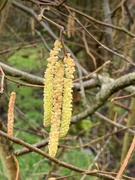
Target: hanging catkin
x=48 y=83
x=10 y=123
x=58 y=96
x=67 y=95
x=56 y=112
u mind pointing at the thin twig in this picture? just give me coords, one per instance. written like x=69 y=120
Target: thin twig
x=88 y=51
x=24 y=150
x=100 y=22
x=90 y=74
x=102 y=45
x=105 y=93
x=2 y=80
x=3 y=3
x=126 y=160
x=96 y=158
x=35 y=81
x=122 y=97
x=60 y=163
x=114 y=123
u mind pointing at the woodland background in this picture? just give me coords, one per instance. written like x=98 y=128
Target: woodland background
x=100 y=35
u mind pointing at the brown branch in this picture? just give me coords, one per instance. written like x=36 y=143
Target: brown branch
x=102 y=45
x=16 y=48
x=48 y=30
x=3 y=5
x=44 y=142
x=90 y=74
x=122 y=97
x=105 y=93
x=100 y=22
x=104 y=118
x=88 y=51
x=126 y=160
x=26 y=150
x=96 y=157
x=60 y=163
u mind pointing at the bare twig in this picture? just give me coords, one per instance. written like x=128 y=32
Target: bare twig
x=26 y=150
x=50 y=32
x=3 y=5
x=61 y=28
x=100 y=22
x=105 y=93
x=23 y=75
x=102 y=45
x=114 y=123
x=37 y=81
x=88 y=51
x=43 y=40
x=96 y=158
x=90 y=74
x=122 y=97
x=16 y=48
x=2 y=80
x=126 y=160
x=60 y=163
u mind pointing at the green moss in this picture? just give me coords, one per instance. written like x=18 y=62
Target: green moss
x=25 y=59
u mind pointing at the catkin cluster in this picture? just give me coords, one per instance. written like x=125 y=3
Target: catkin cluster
x=58 y=96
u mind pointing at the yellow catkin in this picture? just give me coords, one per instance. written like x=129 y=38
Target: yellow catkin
x=70 y=25
x=67 y=95
x=10 y=123
x=48 y=83
x=56 y=111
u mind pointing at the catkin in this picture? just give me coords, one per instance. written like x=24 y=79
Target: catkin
x=56 y=111
x=10 y=123
x=48 y=83
x=70 y=25
x=67 y=95
x=58 y=96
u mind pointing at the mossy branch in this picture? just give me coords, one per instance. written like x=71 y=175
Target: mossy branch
x=30 y=78
x=105 y=93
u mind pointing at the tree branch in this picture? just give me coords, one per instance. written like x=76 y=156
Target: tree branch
x=60 y=163
x=29 y=78
x=105 y=93
x=21 y=74
x=101 y=23
x=26 y=150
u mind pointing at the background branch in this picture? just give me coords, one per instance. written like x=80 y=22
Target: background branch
x=60 y=163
